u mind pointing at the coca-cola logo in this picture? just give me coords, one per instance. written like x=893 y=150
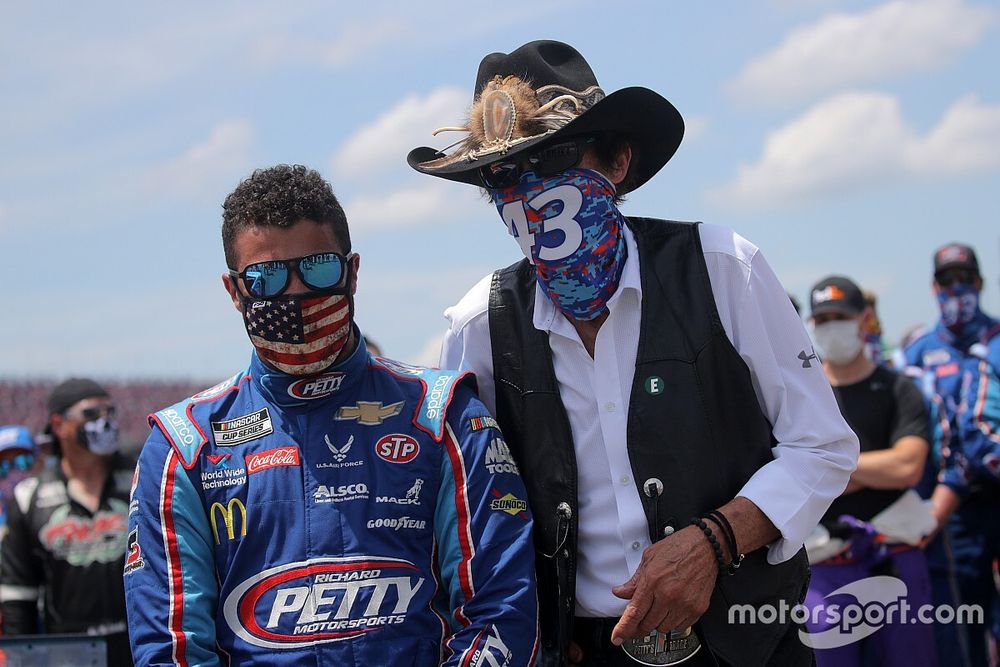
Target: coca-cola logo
x=397 y=448
x=311 y=388
x=272 y=458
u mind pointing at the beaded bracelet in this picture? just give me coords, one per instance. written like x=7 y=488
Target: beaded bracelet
x=723 y=522
x=716 y=547
x=726 y=528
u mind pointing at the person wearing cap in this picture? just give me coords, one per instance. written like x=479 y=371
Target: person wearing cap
x=879 y=523
x=18 y=461
x=324 y=506
x=657 y=389
x=957 y=362
x=67 y=528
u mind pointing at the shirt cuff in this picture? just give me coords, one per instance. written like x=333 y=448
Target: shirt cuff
x=793 y=508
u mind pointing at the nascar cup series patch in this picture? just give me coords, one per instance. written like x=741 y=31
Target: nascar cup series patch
x=242 y=429
x=321 y=600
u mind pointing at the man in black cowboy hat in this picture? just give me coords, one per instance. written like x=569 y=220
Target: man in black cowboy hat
x=675 y=431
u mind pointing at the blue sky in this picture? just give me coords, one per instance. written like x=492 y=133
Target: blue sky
x=840 y=137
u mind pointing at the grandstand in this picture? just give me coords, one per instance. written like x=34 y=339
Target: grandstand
x=24 y=401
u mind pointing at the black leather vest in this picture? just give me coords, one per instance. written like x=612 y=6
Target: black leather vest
x=694 y=422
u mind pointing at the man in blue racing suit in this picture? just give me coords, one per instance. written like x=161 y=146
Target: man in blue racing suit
x=956 y=363
x=324 y=506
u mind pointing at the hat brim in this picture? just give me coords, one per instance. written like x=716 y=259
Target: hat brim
x=649 y=122
x=834 y=307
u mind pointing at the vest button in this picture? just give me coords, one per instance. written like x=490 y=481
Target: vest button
x=635 y=546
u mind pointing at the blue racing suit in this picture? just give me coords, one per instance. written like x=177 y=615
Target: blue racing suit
x=370 y=515
x=959 y=379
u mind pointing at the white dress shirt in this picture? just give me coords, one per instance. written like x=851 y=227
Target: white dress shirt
x=816 y=450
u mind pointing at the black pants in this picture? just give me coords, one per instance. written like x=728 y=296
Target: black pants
x=593 y=635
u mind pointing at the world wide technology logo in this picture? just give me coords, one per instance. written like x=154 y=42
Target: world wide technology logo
x=877 y=602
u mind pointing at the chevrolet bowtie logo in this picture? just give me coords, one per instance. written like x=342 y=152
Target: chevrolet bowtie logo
x=806 y=358
x=369 y=413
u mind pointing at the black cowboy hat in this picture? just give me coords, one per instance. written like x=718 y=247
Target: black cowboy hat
x=544 y=91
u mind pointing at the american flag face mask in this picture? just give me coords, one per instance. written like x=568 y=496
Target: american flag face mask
x=300 y=334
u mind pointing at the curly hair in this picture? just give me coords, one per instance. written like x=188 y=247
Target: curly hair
x=281 y=196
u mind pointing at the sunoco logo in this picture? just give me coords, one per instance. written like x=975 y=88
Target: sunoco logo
x=309 y=389
x=322 y=600
x=508 y=503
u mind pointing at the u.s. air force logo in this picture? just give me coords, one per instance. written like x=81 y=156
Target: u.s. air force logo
x=322 y=600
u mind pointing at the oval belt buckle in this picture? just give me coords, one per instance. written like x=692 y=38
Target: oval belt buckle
x=663 y=648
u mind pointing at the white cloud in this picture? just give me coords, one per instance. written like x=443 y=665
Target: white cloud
x=353 y=42
x=899 y=37
x=383 y=143
x=431 y=203
x=857 y=140
x=967 y=139
x=203 y=166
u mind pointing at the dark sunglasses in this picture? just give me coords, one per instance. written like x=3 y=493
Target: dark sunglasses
x=547 y=161
x=20 y=462
x=949 y=277
x=90 y=414
x=320 y=271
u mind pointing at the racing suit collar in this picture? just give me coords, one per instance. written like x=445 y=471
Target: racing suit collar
x=333 y=385
x=978 y=328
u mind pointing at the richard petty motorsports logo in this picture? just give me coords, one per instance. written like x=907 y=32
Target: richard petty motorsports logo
x=309 y=389
x=322 y=600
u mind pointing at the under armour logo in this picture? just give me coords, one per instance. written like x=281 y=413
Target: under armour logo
x=339 y=453
x=806 y=358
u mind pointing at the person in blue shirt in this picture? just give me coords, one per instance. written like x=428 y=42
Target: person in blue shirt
x=956 y=361
x=324 y=506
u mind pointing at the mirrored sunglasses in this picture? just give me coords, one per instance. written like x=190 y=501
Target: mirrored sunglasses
x=548 y=161
x=20 y=462
x=319 y=271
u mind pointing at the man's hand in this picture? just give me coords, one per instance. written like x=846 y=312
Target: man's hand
x=672 y=587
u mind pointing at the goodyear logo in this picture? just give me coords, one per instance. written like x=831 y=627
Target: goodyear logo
x=227 y=513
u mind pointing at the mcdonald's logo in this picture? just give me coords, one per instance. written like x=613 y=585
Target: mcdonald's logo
x=227 y=512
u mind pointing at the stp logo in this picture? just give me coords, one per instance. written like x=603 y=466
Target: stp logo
x=312 y=388
x=322 y=600
x=397 y=448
